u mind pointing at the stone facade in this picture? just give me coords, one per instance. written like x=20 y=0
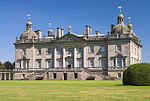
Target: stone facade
x=71 y=56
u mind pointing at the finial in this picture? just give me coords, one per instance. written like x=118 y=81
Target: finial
x=69 y=29
x=50 y=25
x=120 y=8
x=29 y=17
x=129 y=19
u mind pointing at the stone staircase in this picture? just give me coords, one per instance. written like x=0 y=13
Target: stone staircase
x=37 y=75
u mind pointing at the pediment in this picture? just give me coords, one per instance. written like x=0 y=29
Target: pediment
x=69 y=38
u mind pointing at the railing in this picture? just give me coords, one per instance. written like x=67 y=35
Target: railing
x=34 y=40
x=64 y=68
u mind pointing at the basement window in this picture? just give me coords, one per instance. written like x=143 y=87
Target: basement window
x=54 y=75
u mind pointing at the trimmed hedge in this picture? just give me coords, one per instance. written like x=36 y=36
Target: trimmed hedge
x=137 y=75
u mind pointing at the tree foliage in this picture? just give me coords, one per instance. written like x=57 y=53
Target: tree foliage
x=9 y=65
x=2 y=65
x=137 y=74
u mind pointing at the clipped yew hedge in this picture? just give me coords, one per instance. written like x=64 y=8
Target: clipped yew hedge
x=137 y=75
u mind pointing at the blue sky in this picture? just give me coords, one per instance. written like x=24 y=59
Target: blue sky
x=99 y=14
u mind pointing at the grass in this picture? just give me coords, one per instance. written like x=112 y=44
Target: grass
x=71 y=91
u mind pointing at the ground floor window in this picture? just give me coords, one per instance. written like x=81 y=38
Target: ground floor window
x=75 y=75
x=119 y=62
x=119 y=75
x=91 y=62
x=79 y=63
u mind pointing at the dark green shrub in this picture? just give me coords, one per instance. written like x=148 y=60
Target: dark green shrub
x=137 y=75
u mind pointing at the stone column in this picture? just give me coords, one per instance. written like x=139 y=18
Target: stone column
x=63 y=58
x=84 y=57
x=33 y=61
x=21 y=64
x=75 y=57
x=0 y=76
x=54 y=58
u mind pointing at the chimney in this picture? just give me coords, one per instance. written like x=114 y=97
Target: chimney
x=88 y=30
x=59 y=31
x=39 y=33
x=62 y=32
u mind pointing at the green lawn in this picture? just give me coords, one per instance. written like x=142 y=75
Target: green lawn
x=71 y=91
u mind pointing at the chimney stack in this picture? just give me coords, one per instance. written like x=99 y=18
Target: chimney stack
x=39 y=33
x=60 y=32
x=88 y=30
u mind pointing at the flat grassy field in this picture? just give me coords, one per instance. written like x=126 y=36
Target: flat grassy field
x=71 y=91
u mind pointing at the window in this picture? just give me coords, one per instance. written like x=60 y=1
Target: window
x=118 y=48
x=103 y=63
x=69 y=50
x=119 y=75
x=102 y=49
x=119 y=62
x=79 y=63
x=49 y=63
x=75 y=75
x=24 y=52
x=124 y=62
x=114 y=62
x=79 y=50
x=38 y=64
x=54 y=75
x=27 y=63
x=59 y=51
x=48 y=51
x=91 y=49
x=59 y=63
x=91 y=62
x=39 y=51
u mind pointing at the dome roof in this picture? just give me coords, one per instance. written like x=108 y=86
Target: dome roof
x=121 y=29
x=121 y=15
x=29 y=34
x=29 y=23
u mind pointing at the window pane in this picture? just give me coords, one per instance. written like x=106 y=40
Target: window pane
x=49 y=51
x=91 y=62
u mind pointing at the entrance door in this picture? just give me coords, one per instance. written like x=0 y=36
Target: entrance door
x=65 y=76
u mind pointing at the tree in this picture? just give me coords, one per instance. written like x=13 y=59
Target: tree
x=2 y=66
x=9 y=65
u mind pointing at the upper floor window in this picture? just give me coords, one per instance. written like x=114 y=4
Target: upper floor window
x=48 y=51
x=79 y=50
x=118 y=48
x=102 y=48
x=24 y=52
x=69 y=50
x=91 y=49
x=91 y=62
x=59 y=51
x=39 y=51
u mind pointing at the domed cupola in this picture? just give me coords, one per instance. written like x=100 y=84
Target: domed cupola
x=29 y=33
x=120 y=28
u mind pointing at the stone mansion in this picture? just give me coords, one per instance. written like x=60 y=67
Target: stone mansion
x=60 y=56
